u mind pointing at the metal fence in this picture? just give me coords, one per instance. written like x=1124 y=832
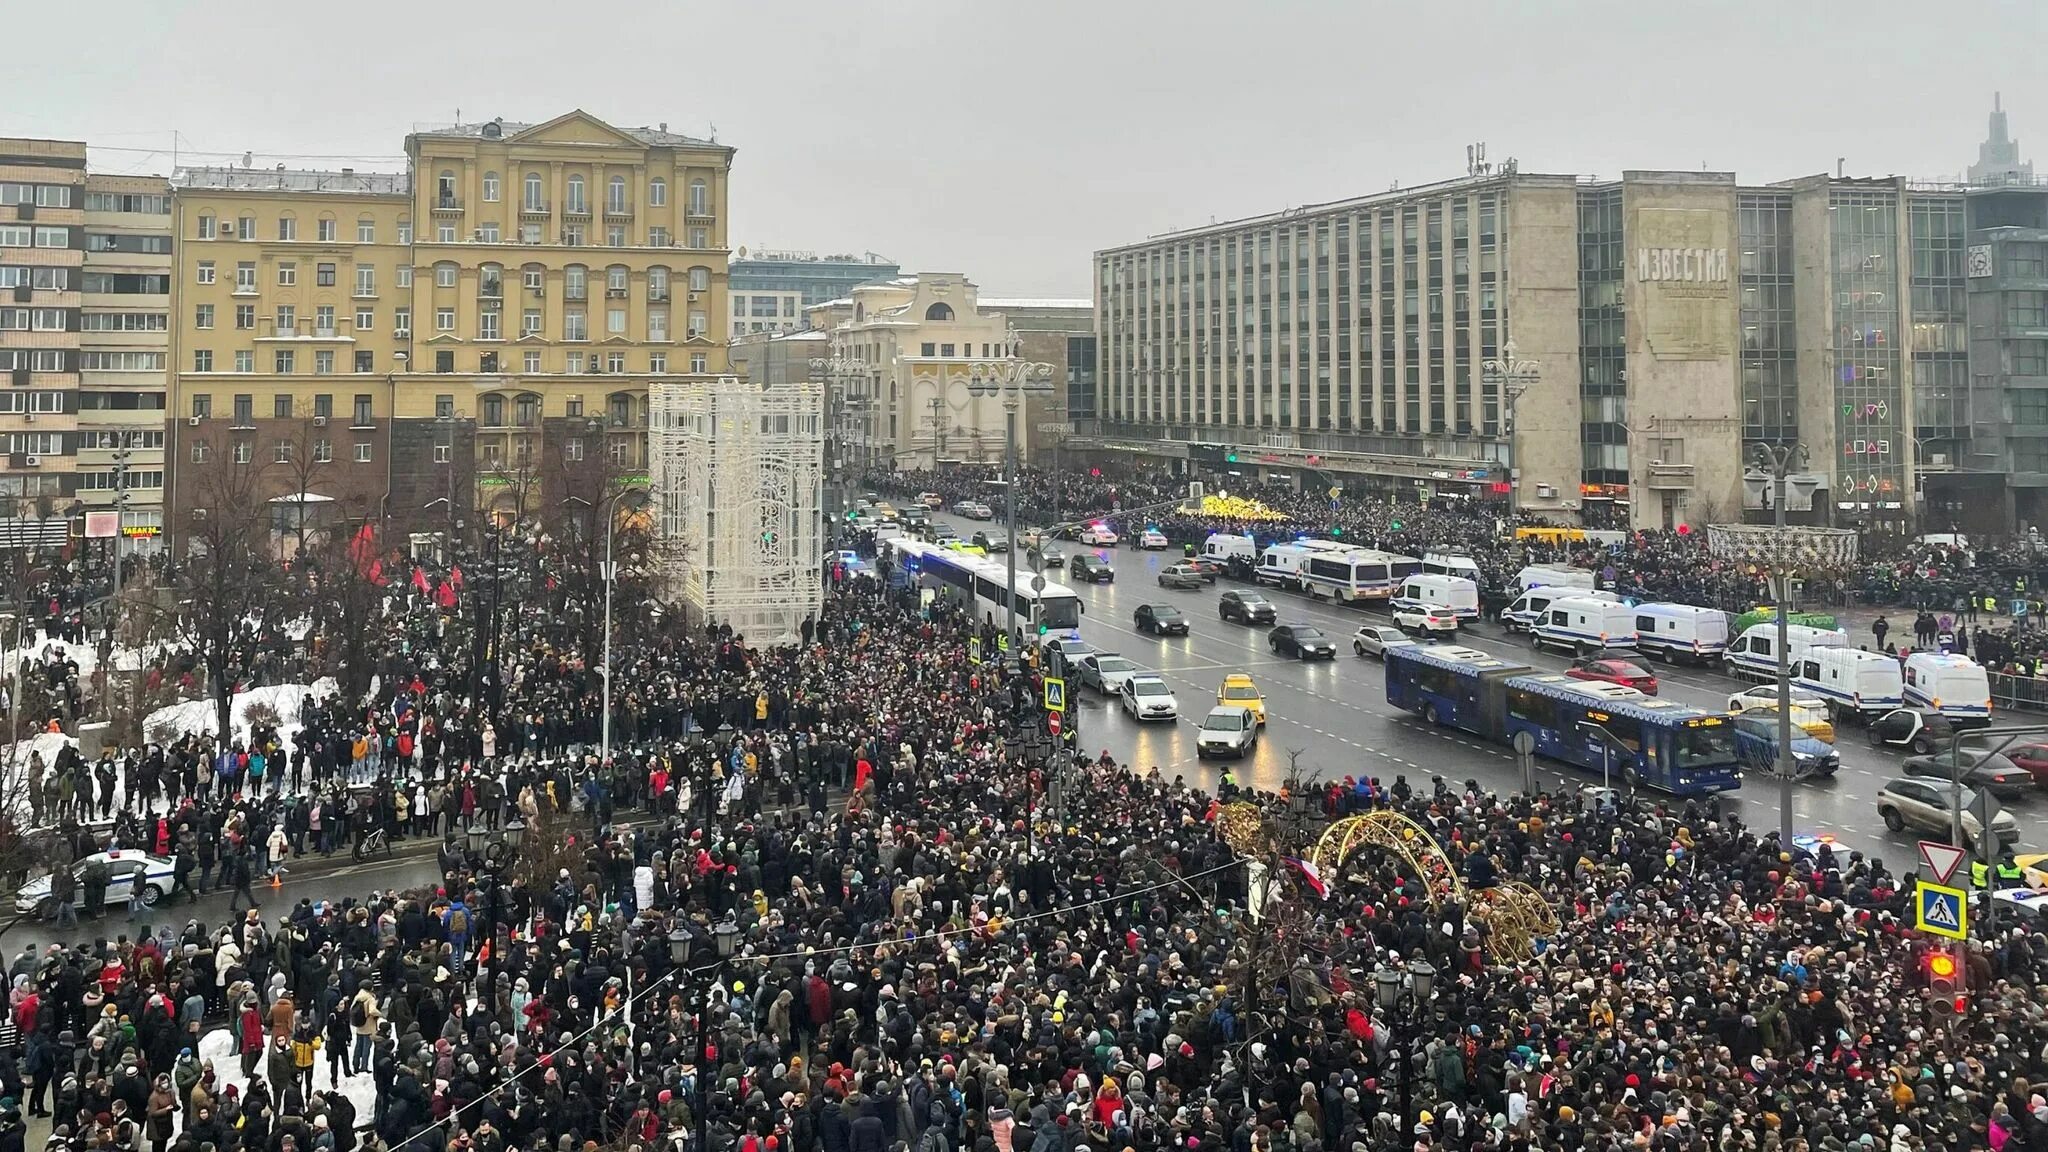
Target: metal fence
x=2021 y=693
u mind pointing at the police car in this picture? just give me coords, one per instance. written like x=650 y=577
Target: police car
x=33 y=898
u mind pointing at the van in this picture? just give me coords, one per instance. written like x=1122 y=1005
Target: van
x=1685 y=632
x=1528 y=608
x=1553 y=575
x=1452 y=564
x=1583 y=624
x=1852 y=681
x=1426 y=590
x=1952 y=685
x=1223 y=547
x=1754 y=655
x=1281 y=564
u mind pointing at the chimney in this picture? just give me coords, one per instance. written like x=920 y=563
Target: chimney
x=348 y=172
x=664 y=125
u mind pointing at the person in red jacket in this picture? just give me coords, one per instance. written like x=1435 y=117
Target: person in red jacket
x=249 y=1036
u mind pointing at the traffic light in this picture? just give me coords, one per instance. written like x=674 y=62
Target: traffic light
x=1230 y=457
x=1396 y=526
x=1336 y=529
x=1042 y=629
x=1944 y=995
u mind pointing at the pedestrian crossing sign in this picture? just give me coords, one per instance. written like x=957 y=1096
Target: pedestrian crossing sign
x=1055 y=694
x=1942 y=910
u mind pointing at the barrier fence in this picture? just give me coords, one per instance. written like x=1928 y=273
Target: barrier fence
x=2021 y=693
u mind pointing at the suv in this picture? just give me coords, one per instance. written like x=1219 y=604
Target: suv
x=1246 y=607
x=1375 y=639
x=1227 y=731
x=992 y=540
x=1923 y=805
x=1426 y=619
x=1160 y=620
x=1086 y=566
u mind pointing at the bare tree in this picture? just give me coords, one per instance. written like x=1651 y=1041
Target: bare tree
x=228 y=575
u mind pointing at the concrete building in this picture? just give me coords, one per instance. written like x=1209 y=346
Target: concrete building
x=778 y=358
x=2001 y=478
x=1677 y=318
x=1998 y=157
x=1059 y=332
x=815 y=279
x=42 y=284
x=124 y=345
x=757 y=310
x=495 y=315
x=919 y=337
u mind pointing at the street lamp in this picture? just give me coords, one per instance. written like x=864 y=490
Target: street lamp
x=399 y=360
x=1012 y=379
x=1783 y=551
x=493 y=858
x=724 y=936
x=1513 y=376
x=1404 y=992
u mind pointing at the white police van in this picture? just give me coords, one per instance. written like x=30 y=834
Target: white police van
x=1583 y=624
x=1685 y=632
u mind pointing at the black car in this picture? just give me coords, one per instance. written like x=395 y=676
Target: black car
x=1990 y=771
x=1303 y=641
x=1160 y=620
x=1246 y=607
x=1086 y=566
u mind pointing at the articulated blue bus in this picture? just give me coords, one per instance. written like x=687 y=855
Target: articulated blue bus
x=1661 y=744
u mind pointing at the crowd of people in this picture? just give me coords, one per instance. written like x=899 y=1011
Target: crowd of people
x=927 y=955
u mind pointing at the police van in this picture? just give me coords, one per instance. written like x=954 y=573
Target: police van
x=1685 y=632
x=1529 y=607
x=1754 y=655
x=1854 y=682
x=1583 y=624
x=1952 y=685
x=1553 y=576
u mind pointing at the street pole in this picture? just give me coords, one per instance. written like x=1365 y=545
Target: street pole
x=1512 y=376
x=604 y=748
x=1779 y=461
x=1010 y=520
x=107 y=663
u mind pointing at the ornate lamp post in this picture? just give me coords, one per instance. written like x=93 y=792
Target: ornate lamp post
x=1404 y=994
x=1513 y=376
x=1012 y=379
x=1783 y=551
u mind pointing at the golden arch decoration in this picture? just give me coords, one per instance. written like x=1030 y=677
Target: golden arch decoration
x=1515 y=914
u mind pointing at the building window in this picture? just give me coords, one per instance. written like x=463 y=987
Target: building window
x=444 y=233
x=287 y=273
x=246 y=227
x=366 y=231
x=928 y=350
x=245 y=360
x=206 y=228
x=939 y=311
x=323 y=451
x=202 y=316
x=615 y=321
x=245 y=316
x=287 y=228
x=615 y=362
x=404 y=232
x=281 y=406
x=366 y=280
x=199 y=452
x=325 y=229
x=245 y=410
x=615 y=235
x=323 y=362
x=245 y=277
x=285 y=361
x=535 y=200
x=699 y=363
x=572 y=449
x=364 y=410
x=700 y=237
x=202 y=360
x=490 y=187
x=658 y=237
x=657 y=324
x=202 y=405
x=700 y=324
x=444 y=360
x=657 y=193
x=323 y=272
x=362 y=451
x=700 y=279
x=657 y=284
x=444 y=188
x=575 y=325
x=366 y=360
x=206 y=271
x=444 y=275
x=241 y=452
x=576 y=201
x=529 y=233
x=615 y=194
x=323 y=320
x=533 y=363
x=700 y=198
x=490 y=281
x=287 y=321
x=529 y=322
x=657 y=362
x=494 y=412
x=401 y=321
x=534 y=277
x=444 y=319
x=575 y=282
x=488 y=326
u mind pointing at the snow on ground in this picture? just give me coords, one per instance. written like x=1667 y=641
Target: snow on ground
x=287 y=700
x=86 y=654
x=218 y=1046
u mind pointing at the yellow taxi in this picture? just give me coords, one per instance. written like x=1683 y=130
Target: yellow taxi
x=1814 y=720
x=1241 y=690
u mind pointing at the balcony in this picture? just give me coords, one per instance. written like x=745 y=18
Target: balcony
x=1670 y=477
x=538 y=208
x=447 y=203
x=618 y=211
x=581 y=211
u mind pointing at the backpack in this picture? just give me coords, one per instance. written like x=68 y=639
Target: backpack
x=358 y=1015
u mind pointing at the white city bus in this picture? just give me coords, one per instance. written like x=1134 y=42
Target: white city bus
x=983 y=585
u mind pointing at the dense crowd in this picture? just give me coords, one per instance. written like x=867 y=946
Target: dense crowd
x=913 y=971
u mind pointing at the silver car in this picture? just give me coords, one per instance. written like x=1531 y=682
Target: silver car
x=159 y=873
x=1923 y=805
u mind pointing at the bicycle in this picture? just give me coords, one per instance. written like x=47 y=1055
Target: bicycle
x=369 y=844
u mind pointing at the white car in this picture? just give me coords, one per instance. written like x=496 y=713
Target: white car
x=160 y=872
x=1151 y=540
x=1106 y=672
x=1423 y=621
x=1375 y=639
x=1227 y=730
x=1099 y=535
x=1147 y=697
x=1766 y=695
x=974 y=510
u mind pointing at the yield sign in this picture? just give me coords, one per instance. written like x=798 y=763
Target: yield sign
x=1942 y=860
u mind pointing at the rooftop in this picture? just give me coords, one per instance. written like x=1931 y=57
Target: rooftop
x=1038 y=303
x=285 y=179
x=768 y=256
x=659 y=137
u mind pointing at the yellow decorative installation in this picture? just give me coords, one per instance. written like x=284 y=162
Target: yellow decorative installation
x=1515 y=915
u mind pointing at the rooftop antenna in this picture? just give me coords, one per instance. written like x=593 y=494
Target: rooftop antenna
x=714 y=133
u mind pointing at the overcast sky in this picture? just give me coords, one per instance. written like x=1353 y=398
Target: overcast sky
x=1010 y=140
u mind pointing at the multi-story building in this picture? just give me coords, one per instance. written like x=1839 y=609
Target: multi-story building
x=815 y=279
x=2002 y=478
x=919 y=339
x=497 y=313
x=1059 y=332
x=125 y=341
x=1998 y=156
x=760 y=310
x=42 y=281
x=1676 y=320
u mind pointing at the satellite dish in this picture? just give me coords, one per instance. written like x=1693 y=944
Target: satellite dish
x=743 y=251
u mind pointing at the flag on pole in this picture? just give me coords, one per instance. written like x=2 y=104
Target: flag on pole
x=1310 y=875
x=419 y=580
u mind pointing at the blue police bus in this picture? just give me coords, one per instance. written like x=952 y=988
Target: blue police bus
x=1660 y=744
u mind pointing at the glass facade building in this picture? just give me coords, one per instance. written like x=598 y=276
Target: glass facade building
x=817 y=278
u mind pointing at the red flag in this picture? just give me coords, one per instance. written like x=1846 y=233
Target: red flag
x=362 y=550
x=419 y=580
x=446 y=596
x=455 y=576
x=376 y=573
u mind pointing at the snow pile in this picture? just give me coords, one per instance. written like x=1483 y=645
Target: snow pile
x=197 y=716
x=86 y=654
x=218 y=1049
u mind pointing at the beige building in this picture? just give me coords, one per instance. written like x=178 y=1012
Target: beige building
x=124 y=343
x=484 y=326
x=920 y=338
x=42 y=286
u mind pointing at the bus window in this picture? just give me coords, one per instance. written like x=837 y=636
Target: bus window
x=1628 y=730
x=1532 y=707
x=1060 y=612
x=1703 y=746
